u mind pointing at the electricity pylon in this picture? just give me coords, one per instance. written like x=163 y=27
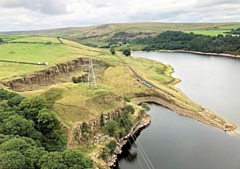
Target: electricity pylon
x=91 y=74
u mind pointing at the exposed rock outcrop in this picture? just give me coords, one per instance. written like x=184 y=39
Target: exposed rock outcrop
x=93 y=126
x=50 y=75
x=145 y=121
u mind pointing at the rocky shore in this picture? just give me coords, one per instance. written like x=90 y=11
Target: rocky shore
x=145 y=121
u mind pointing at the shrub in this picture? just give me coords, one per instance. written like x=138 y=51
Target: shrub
x=112 y=146
x=111 y=128
x=127 y=52
x=129 y=108
x=126 y=98
x=145 y=106
x=112 y=50
x=75 y=80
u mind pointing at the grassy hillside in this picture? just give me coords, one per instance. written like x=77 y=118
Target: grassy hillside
x=100 y=35
x=117 y=80
x=34 y=50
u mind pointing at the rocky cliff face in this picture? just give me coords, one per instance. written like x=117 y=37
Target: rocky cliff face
x=90 y=133
x=50 y=75
x=85 y=130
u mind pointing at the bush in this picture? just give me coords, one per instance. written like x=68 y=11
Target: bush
x=129 y=108
x=145 y=106
x=75 y=80
x=127 y=52
x=105 y=153
x=126 y=98
x=112 y=50
x=111 y=128
x=112 y=146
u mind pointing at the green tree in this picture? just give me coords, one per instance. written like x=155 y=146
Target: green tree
x=1 y=41
x=17 y=125
x=145 y=106
x=74 y=79
x=4 y=138
x=111 y=128
x=30 y=107
x=112 y=50
x=127 y=52
x=23 y=149
x=47 y=122
x=129 y=108
x=112 y=146
x=49 y=126
x=12 y=159
x=53 y=160
x=74 y=159
x=15 y=100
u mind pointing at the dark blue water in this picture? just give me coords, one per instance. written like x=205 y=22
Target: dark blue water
x=177 y=142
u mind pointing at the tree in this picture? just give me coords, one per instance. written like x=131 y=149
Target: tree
x=112 y=50
x=4 y=138
x=127 y=52
x=21 y=152
x=111 y=128
x=30 y=107
x=53 y=160
x=47 y=122
x=129 y=108
x=15 y=100
x=12 y=159
x=50 y=127
x=75 y=159
x=74 y=79
x=66 y=159
x=112 y=146
x=1 y=41
x=145 y=106
x=18 y=125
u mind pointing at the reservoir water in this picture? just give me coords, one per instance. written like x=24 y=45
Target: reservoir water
x=177 y=142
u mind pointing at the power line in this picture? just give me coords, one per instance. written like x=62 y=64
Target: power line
x=141 y=150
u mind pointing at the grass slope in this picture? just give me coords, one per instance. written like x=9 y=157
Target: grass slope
x=39 y=52
x=75 y=102
x=99 y=35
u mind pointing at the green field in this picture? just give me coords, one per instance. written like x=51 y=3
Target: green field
x=36 y=39
x=34 y=53
x=216 y=31
x=7 y=38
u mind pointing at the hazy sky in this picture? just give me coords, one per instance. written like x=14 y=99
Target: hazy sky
x=16 y=15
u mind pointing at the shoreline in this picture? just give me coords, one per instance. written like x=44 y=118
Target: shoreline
x=131 y=136
x=202 y=53
x=205 y=116
x=202 y=117
x=195 y=52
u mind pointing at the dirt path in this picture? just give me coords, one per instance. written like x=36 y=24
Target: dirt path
x=70 y=136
